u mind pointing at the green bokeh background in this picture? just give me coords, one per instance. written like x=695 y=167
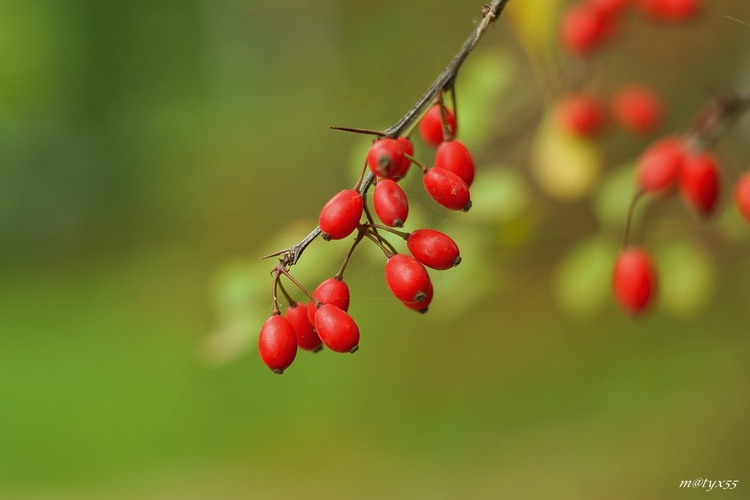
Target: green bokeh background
x=148 y=150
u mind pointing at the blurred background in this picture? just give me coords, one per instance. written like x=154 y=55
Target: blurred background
x=150 y=152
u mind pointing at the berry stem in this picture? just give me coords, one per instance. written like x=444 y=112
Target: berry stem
x=390 y=230
x=418 y=163
x=629 y=220
x=288 y=297
x=282 y=270
x=388 y=253
x=340 y=274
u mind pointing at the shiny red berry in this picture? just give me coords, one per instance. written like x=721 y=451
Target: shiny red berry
x=407 y=278
x=337 y=329
x=385 y=158
x=634 y=280
x=433 y=249
x=447 y=189
x=277 y=343
x=580 y=114
x=699 y=182
x=742 y=195
x=637 y=109
x=390 y=203
x=659 y=165
x=582 y=29
x=307 y=339
x=431 y=125
x=455 y=157
x=331 y=291
x=421 y=306
x=408 y=148
x=340 y=216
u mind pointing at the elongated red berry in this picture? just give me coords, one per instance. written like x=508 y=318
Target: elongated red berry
x=331 y=291
x=277 y=343
x=637 y=108
x=582 y=29
x=385 y=158
x=673 y=11
x=408 y=148
x=634 y=280
x=433 y=249
x=431 y=125
x=307 y=339
x=421 y=306
x=659 y=165
x=340 y=216
x=447 y=189
x=699 y=182
x=580 y=114
x=608 y=8
x=407 y=278
x=455 y=157
x=337 y=329
x=742 y=195
x=390 y=203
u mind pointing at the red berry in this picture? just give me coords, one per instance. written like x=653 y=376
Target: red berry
x=582 y=29
x=608 y=8
x=421 y=306
x=331 y=291
x=433 y=249
x=431 y=125
x=669 y=10
x=385 y=158
x=742 y=195
x=580 y=114
x=455 y=157
x=340 y=216
x=699 y=182
x=407 y=278
x=408 y=148
x=634 y=280
x=277 y=343
x=447 y=189
x=659 y=165
x=307 y=339
x=337 y=329
x=390 y=203
x=637 y=108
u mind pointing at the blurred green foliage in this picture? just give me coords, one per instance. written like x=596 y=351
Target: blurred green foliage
x=151 y=151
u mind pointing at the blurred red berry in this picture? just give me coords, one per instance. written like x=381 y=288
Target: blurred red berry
x=742 y=195
x=659 y=165
x=608 y=8
x=582 y=29
x=580 y=114
x=699 y=182
x=669 y=10
x=634 y=280
x=637 y=109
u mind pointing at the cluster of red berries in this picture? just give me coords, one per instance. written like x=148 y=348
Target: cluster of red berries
x=670 y=165
x=324 y=319
x=587 y=24
x=634 y=107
